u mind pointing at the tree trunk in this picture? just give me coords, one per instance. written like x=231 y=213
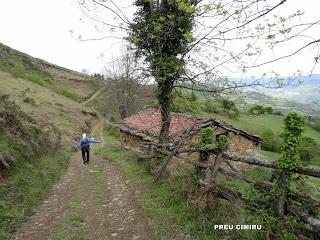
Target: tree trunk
x=164 y=97
x=165 y=123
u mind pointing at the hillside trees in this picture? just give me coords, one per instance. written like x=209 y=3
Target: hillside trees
x=126 y=85
x=196 y=44
x=260 y=109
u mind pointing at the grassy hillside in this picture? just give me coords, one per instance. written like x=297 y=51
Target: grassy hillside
x=63 y=81
x=255 y=124
x=41 y=119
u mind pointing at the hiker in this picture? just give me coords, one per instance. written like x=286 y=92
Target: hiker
x=85 y=148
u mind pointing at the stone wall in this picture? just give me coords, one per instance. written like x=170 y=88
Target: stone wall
x=130 y=141
x=238 y=144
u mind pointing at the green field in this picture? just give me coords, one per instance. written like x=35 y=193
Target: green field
x=255 y=124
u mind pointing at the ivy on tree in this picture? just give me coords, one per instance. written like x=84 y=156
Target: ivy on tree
x=161 y=31
x=292 y=135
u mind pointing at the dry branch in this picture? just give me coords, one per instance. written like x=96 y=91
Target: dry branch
x=224 y=192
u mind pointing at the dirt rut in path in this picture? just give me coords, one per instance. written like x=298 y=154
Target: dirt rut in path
x=128 y=220
x=90 y=202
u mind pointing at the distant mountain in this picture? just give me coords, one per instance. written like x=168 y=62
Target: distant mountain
x=245 y=100
x=303 y=95
x=308 y=92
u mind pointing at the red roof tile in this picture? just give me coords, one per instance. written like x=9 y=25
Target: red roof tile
x=150 y=122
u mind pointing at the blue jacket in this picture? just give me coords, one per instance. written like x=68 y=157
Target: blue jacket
x=81 y=141
x=90 y=140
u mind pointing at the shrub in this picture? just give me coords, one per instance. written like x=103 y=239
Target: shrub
x=69 y=94
x=206 y=139
x=260 y=109
x=307 y=148
x=271 y=141
x=35 y=79
x=212 y=106
x=19 y=71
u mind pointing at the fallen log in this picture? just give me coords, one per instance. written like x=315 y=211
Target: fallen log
x=305 y=217
x=224 y=192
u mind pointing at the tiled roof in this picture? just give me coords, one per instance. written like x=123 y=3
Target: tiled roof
x=148 y=123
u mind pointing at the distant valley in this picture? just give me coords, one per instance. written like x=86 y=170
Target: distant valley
x=303 y=97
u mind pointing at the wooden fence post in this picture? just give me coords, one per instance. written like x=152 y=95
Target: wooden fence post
x=283 y=185
x=215 y=167
x=222 y=146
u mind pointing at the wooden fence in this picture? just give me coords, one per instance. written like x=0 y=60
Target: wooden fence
x=216 y=167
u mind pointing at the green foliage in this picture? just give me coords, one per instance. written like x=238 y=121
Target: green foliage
x=189 y=103
x=168 y=25
x=20 y=72
x=161 y=32
x=308 y=149
x=230 y=108
x=223 y=143
x=268 y=110
x=260 y=109
x=292 y=134
x=271 y=140
x=211 y=106
x=21 y=136
x=206 y=140
x=69 y=94
x=185 y=102
x=314 y=123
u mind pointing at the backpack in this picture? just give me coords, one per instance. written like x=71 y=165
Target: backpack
x=85 y=146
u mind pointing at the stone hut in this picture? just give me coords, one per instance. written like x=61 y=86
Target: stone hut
x=145 y=126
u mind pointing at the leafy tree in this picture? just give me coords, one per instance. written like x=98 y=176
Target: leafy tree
x=260 y=109
x=271 y=141
x=98 y=76
x=228 y=104
x=211 y=106
x=161 y=31
x=307 y=148
x=268 y=110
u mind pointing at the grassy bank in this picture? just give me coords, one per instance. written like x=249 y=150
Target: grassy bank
x=26 y=187
x=177 y=213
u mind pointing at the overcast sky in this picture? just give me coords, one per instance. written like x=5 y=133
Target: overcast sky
x=41 y=28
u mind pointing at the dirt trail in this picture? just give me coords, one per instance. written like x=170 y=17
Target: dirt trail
x=95 y=95
x=89 y=202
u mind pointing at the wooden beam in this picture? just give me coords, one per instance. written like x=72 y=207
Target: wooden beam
x=305 y=217
x=309 y=170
